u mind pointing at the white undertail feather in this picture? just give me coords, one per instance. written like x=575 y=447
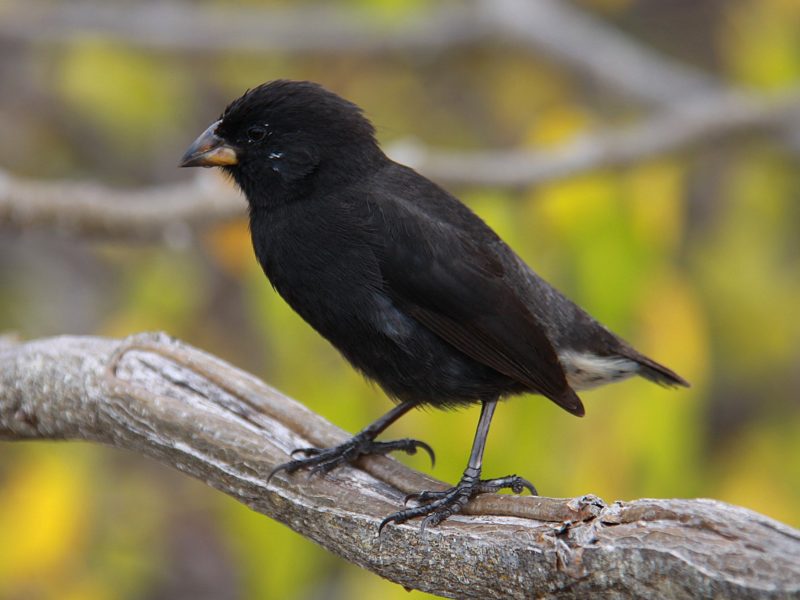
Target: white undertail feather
x=585 y=370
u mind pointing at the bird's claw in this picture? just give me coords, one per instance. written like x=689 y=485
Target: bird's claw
x=515 y=483
x=409 y=446
x=323 y=460
x=424 y=497
x=439 y=505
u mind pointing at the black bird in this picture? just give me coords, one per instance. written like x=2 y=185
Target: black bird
x=413 y=288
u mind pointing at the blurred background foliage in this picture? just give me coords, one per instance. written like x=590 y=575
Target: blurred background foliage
x=695 y=258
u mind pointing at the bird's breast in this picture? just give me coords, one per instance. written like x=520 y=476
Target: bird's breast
x=322 y=264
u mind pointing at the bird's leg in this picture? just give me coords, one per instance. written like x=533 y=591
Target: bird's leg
x=437 y=506
x=322 y=460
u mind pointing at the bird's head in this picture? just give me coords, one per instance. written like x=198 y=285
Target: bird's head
x=283 y=136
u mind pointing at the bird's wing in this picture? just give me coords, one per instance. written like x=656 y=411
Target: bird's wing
x=460 y=291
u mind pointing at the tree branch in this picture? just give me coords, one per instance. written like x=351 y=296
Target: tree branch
x=159 y=397
x=90 y=209
x=705 y=120
x=554 y=28
x=187 y=27
x=171 y=212
x=578 y=40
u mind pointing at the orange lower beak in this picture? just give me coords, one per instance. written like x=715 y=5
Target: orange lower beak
x=209 y=150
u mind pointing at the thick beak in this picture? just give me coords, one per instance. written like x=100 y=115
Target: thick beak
x=209 y=150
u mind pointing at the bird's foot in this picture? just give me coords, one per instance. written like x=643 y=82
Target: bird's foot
x=322 y=460
x=438 y=506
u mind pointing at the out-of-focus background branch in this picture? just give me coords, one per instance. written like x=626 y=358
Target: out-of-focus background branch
x=641 y=155
x=169 y=212
x=555 y=29
x=91 y=209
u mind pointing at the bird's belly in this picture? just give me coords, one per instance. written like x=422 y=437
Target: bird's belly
x=406 y=359
x=413 y=364
x=338 y=290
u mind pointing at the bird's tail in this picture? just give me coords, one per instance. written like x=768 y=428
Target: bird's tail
x=658 y=373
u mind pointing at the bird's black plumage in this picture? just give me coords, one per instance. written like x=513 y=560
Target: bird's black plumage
x=413 y=288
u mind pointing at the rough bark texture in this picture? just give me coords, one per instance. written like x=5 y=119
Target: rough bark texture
x=162 y=398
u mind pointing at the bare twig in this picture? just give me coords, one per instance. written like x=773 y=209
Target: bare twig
x=161 y=398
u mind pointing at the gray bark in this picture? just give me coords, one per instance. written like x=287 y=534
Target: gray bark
x=161 y=398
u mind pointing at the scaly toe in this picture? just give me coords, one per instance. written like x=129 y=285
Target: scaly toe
x=306 y=451
x=437 y=506
x=323 y=460
x=513 y=482
x=408 y=445
x=425 y=497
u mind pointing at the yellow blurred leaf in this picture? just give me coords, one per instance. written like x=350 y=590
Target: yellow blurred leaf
x=673 y=328
x=557 y=125
x=519 y=88
x=570 y=207
x=43 y=508
x=752 y=477
x=746 y=268
x=656 y=203
x=760 y=42
x=389 y=10
x=496 y=208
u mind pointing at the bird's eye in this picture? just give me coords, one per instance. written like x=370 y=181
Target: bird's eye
x=256 y=133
